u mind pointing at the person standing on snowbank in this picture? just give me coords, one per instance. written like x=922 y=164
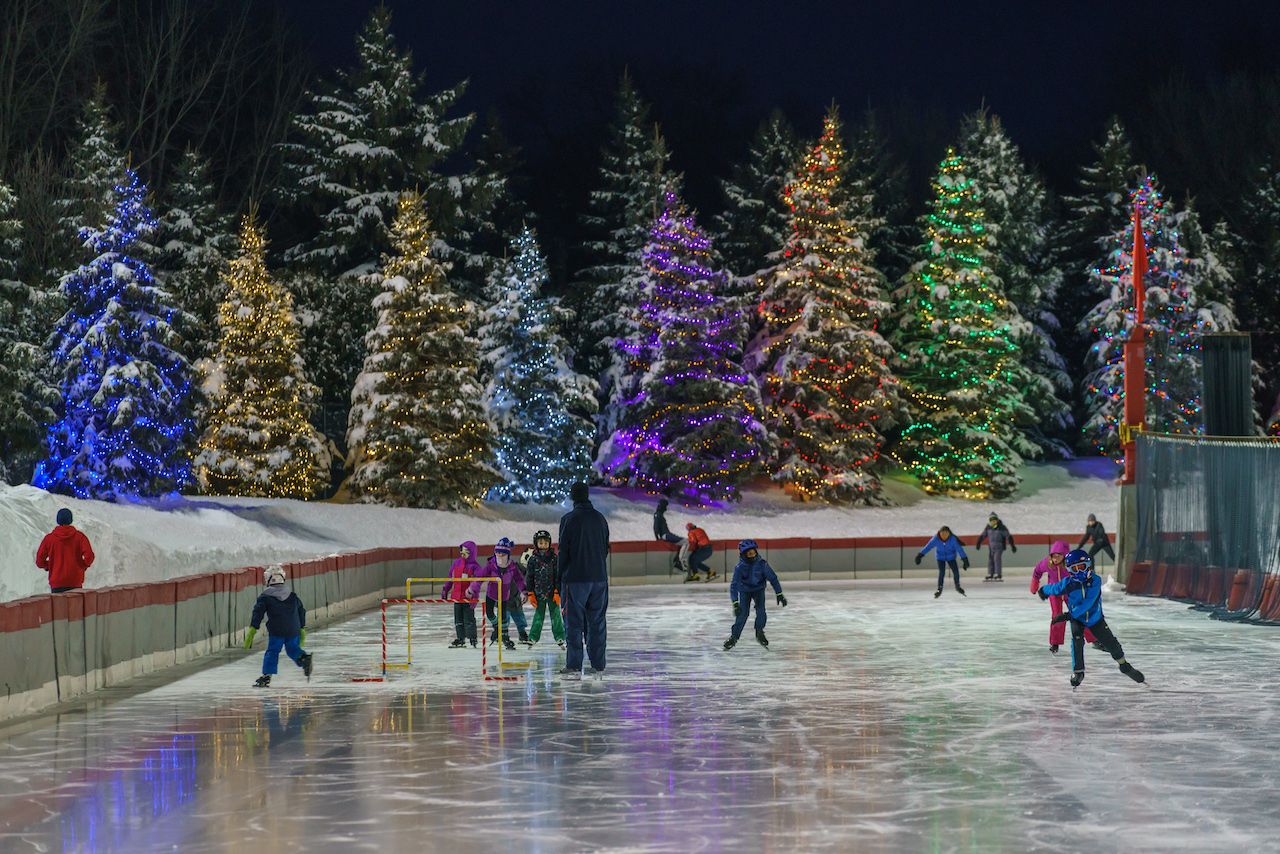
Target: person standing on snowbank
x=948 y=546
x=286 y=626
x=584 y=583
x=997 y=537
x=749 y=578
x=64 y=554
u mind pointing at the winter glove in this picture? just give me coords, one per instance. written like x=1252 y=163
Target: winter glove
x=302 y=638
x=919 y=558
x=964 y=561
x=1014 y=548
x=737 y=608
x=782 y=600
x=248 y=637
x=1043 y=596
x=1061 y=618
x=977 y=547
x=533 y=600
x=524 y=557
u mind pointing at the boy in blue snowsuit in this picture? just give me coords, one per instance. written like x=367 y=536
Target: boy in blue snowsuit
x=749 y=578
x=286 y=626
x=948 y=546
x=1083 y=592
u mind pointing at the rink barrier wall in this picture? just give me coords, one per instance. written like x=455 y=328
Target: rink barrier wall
x=68 y=645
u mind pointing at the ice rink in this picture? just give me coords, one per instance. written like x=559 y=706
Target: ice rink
x=879 y=720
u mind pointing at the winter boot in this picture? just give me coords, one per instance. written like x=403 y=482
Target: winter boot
x=458 y=644
x=1077 y=678
x=764 y=641
x=730 y=643
x=264 y=681
x=1132 y=672
x=306 y=665
x=937 y=593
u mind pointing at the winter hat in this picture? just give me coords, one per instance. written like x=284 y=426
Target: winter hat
x=663 y=503
x=503 y=547
x=64 y=516
x=1092 y=518
x=579 y=491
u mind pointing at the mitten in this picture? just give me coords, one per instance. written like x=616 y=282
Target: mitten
x=782 y=600
x=302 y=638
x=248 y=638
x=533 y=600
x=524 y=557
x=1061 y=618
x=964 y=561
x=919 y=558
x=737 y=607
x=1043 y=596
x=1014 y=548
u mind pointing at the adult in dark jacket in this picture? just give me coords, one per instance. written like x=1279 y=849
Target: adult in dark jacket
x=286 y=626
x=663 y=533
x=65 y=554
x=584 y=582
x=997 y=538
x=1095 y=534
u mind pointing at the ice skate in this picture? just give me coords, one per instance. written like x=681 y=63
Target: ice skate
x=473 y=644
x=960 y=590
x=263 y=681
x=592 y=673
x=560 y=644
x=1077 y=678
x=989 y=578
x=937 y=593
x=730 y=644
x=458 y=644
x=1053 y=648
x=1132 y=672
x=693 y=576
x=306 y=665
x=763 y=641
x=508 y=643
x=999 y=578
x=568 y=674
x=524 y=638
x=711 y=575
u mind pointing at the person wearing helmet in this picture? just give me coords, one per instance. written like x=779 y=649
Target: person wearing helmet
x=749 y=578
x=699 y=550
x=286 y=626
x=948 y=547
x=464 y=568
x=542 y=581
x=998 y=538
x=1083 y=591
x=1054 y=566
x=501 y=565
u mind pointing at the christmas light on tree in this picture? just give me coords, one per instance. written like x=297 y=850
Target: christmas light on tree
x=117 y=358
x=258 y=441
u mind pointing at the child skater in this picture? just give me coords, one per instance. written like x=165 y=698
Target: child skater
x=1054 y=566
x=465 y=567
x=1083 y=591
x=749 y=578
x=948 y=546
x=286 y=626
x=502 y=566
x=542 y=581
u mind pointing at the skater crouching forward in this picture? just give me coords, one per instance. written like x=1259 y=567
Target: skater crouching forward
x=948 y=547
x=749 y=578
x=1083 y=590
x=286 y=626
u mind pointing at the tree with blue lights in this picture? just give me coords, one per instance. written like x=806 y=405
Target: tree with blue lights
x=540 y=408
x=118 y=361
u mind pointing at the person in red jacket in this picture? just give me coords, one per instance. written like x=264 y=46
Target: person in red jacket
x=699 y=551
x=65 y=554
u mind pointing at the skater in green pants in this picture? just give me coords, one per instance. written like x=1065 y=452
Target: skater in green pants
x=542 y=581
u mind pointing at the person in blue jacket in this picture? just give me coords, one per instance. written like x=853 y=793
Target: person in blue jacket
x=286 y=626
x=749 y=578
x=1083 y=591
x=948 y=546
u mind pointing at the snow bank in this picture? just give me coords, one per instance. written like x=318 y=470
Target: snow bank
x=150 y=541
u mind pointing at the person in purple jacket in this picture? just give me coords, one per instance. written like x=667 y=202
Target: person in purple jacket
x=948 y=547
x=513 y=593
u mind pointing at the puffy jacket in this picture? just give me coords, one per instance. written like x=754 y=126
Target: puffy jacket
x=584 y=544
x=65 y=554
x=660 y=529
x=698 y=538
x=283 y=609
x=948 y=549
x=459 y=571
x=750 y=576
x=542 y=573
x=512 y=580
x=1084 y=599
x=999 y=537
x=1094 y=533
x=1056 y=572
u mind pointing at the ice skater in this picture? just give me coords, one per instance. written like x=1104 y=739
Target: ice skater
x=1083 y=591
x=1053 y=565
x=542 y=581
x=465 y=567
x=699 y=546
x=1095 y=534
x=286 y=626
x=997 y=537
x=662 y=533
x=501 y=565
x=949 y=547
x=749 y=578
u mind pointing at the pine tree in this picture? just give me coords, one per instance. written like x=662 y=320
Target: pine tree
x=693 y=429
x=417 y=432
x=123 y=380
x=821 y=359
x=877 y=199
x=539 y=408
x=258 y=441
x=1024 y=260
x=92 y=170
x=1258 y=287
x=958 y=353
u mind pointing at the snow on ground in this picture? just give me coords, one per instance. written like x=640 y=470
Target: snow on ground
x=164 y=538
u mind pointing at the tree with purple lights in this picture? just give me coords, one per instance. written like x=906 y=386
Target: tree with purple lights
x=694 y=430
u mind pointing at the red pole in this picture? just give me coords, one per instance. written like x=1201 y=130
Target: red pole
x=384 y=638
x=1135 y=356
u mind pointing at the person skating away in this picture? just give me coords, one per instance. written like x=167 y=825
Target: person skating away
x=948 y=547
x=699 y=550
x=662 y=533
x=997 y=537
x=64 y=554
x=1095 y=534
x=286 y=626
x=1053 y=569
x=1083 y=591
x=749 y=579
x=501 y=565
x=465 y=567
x=542 y=581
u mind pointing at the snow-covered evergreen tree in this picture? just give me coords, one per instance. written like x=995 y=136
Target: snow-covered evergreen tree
x=92 y=170
x=539 y=407
x=1026 y=263
x=118 y=359
x=258 y=441
x=820 y=357
x=958 y=353
x=877 y=199
x=417 y=434
x=693 y=428
x=1258 y=287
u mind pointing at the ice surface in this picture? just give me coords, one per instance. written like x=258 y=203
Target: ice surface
x=879 y=720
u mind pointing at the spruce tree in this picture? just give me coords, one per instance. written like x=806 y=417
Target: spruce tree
x=1258 y=287
x=123 y=380
x=91 y=171
x=258 y=441
x=1026 y=263
x=693 y=428
x=820 y=357
x=959 y=358
x=539 y=407
x=417 y=433
x=877 y=199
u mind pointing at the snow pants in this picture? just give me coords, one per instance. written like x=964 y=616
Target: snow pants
x=271 y=658
x=1102 y=632
x=995 y=563
x=585 y=604
x=942 y=572
x=1102 y=547
x=511 y=611
x=744 y=600
x=464 y=621
x=1058 y=630
x=546 y=604
x=698 y=560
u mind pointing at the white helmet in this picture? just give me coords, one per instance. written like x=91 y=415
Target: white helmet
x=274 y=575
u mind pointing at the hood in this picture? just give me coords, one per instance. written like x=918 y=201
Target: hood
x=64 y=532
x=1059 y=548
x=470 y=547
x=279 y=591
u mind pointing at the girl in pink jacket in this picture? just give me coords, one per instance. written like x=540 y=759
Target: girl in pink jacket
x=1054 y=568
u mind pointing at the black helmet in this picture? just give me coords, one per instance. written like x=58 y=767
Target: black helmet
x=541 y=535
